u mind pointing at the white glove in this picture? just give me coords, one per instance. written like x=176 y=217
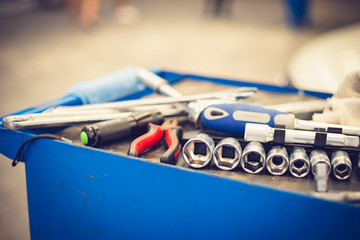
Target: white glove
x=344 y=111
x=344 y=107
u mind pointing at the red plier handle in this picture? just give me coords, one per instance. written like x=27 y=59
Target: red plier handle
x=154 y=137
x=172 y=138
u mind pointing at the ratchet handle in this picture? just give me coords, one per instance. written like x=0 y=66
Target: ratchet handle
x=232 y=118
x=152 y=138
x=173 y=135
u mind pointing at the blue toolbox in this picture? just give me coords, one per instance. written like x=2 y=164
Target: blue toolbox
x=81 y=192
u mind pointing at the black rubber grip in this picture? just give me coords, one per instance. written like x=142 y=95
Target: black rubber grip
x=334 y=130
x=173 y=137
x=279 y=136
x=320 y=140
x=108 y=131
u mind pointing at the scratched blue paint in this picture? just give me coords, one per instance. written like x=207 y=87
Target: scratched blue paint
x=83 y=193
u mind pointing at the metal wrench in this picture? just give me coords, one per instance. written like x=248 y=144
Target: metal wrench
x=57 y=119
x=234 y=94
x=63 y=116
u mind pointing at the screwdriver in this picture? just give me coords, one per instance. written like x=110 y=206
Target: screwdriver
x=112 y=130
x=232 y=118
x=162 y=87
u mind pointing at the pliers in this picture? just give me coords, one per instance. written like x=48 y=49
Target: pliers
x=154 y=136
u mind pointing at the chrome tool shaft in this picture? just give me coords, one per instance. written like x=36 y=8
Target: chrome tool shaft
x=264 y=133
x=320 y=167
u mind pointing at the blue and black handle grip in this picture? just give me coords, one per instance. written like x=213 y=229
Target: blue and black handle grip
x=231 y=118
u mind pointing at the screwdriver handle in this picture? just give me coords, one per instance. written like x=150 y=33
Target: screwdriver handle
x=107 y=88
x=112 y=130
x=231 y=118
x=106 y=132
x=152 y=138
x=173 y=136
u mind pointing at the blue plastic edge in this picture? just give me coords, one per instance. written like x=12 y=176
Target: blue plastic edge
x=153 y=201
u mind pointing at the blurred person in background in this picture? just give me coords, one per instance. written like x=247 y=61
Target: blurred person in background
x=85 y=13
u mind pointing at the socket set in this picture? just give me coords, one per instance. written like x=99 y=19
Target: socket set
x=253 y=157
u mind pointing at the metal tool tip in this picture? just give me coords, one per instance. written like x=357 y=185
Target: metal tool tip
x=352 y=141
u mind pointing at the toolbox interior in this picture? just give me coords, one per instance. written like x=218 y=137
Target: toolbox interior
x=284 y=182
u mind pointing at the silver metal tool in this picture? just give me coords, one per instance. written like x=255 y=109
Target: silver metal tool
x=227 y=154
x=320 y=168
x=299 y=163
x=57 y=119
x=234 y=93
x=157 y=83
x=63 y=116
x=197 y=151
x=253 y=158
x=344 y=196
x=161 y=86
x=302 y=107
x=277 y=161
x=341 y=165
x=264 y=133
x=312 y=126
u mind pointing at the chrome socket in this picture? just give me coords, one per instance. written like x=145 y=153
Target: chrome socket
x=227 y=154
x=277 y=161
x=299 y=163
x=253 y=158
x=197 y=151
x=320 y=168
x=341 y=165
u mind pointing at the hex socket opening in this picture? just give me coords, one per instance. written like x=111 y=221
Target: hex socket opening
x=200 y=148
x=341 y=164
x=299 y=163
x=276 y=164
x=342 y=171
x=197 y=153
x=227 y=154
x=299 y=168
x=253 y=162
x=277 y=161
x=253 y=157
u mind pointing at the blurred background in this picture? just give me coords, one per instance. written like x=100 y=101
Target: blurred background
x=46 y=46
